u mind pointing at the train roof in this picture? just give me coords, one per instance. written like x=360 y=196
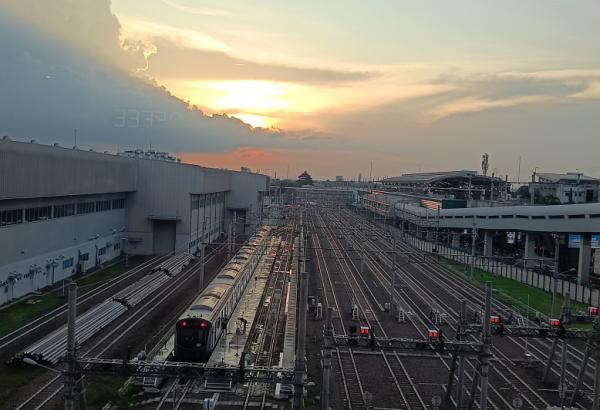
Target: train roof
x=207 y=303
x=228 y=274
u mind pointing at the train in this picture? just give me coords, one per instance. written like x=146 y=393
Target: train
x=199 y=328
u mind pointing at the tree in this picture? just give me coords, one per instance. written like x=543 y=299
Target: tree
x=304 y=179
x=523 y=191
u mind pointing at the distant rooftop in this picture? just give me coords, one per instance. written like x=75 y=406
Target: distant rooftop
x=149 y=154
x=430 y=177
x=569 y=177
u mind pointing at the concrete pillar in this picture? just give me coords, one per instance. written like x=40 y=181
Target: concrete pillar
x=529 y=253
x=488 y=246
x=585 y=254
x=455 y=240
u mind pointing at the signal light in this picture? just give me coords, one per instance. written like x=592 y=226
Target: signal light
x=203 y=324
x=364 y=330
x=433 y=334
x=495 y=320
x=593 y=311
x=555 y=322
x=183 y=324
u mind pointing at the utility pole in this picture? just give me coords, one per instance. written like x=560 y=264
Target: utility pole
x=486 y=339
x=326 y=360
x=69 y=375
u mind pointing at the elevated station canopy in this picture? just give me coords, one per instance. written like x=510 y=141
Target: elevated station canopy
x=450 y=184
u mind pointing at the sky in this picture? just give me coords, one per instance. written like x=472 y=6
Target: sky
x=331 y=87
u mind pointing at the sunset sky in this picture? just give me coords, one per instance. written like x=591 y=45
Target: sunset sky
x=328 y=86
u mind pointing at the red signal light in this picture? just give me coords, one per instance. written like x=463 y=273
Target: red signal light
x=364 y=330
x=495 y=320
x=433 y=334
x=183 y=324
x=593 y=311
x=203 y=324
x=555 y=322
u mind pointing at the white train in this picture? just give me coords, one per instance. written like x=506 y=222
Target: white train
x=199 y=328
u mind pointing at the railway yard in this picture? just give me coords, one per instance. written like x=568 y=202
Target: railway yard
x=387 y=327
x=353 y=257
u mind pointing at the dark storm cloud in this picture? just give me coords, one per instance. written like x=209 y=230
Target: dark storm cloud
x=50 y=84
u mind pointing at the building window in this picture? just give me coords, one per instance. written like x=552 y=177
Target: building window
x=102 y=206
x=61 y=211
x=117 y=246
x=11 y=217
x=67 y=263
x=101 y=251
x=38 y=214
x=85 y=208
x=84 y=257
x=118 y=203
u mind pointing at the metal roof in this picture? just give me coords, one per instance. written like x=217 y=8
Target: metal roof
x=545 y=218
x=569 y=177
x=430 y=177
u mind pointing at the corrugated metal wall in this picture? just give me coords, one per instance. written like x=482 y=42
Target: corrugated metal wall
x=33 y=171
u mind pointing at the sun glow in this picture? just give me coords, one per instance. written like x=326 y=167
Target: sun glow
x=249 y=95
x=256 y=121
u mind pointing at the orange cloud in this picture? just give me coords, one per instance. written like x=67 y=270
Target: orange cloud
x=321 y=163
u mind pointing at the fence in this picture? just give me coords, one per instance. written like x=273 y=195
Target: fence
x=577 y=292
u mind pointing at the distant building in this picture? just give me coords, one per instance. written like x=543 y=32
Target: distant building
x=569 y=188
x=245 y=169
x=339 y=178
x=462 y=184
x=359 y=177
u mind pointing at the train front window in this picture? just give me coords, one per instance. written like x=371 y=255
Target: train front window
x=187 y=337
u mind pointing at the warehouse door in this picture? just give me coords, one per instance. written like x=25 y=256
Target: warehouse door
x=164 y=237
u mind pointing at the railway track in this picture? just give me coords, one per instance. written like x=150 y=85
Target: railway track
x=48 y=393
x=450 y=282
x=453 y=286
x=400 y=378
x=271 y=315
x=54 y=315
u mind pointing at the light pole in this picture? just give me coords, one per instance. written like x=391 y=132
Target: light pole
x=124 y=245
x=53 y=264
x=532 y=189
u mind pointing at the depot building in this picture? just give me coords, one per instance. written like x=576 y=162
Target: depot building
x=66 y=211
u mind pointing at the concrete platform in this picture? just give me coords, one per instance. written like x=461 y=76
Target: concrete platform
x=231 y=345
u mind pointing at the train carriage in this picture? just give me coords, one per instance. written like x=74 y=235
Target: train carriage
x=199 y=329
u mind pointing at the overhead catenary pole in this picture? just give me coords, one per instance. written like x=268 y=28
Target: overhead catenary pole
x=202 y=267
x=300 y=364
x=461 y=360
x=486 y=339
x=473 y=238
x=69 y=374
x=564 y=319
x=326 y=360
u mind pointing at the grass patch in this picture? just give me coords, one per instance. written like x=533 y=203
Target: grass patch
x=14 y=316
x=102 y=390
x=516 y=294
x=13 y=378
